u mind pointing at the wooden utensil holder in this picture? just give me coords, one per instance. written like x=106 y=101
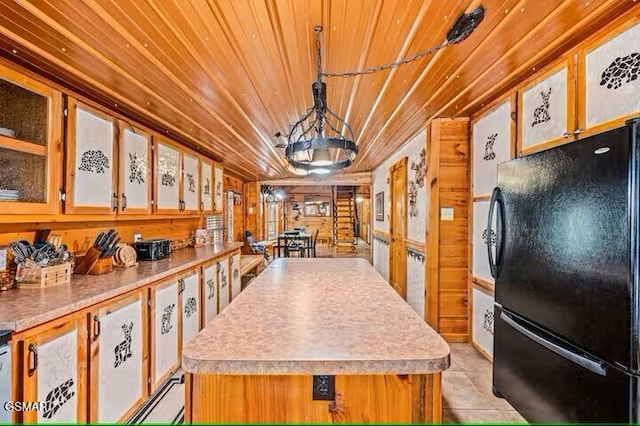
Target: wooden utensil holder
x=102 y=266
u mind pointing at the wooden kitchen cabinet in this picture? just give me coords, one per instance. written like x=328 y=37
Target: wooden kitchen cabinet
x=210 y=278
x=236 y=281
x=119 y=358
x=167 y=177
x=190 y=305
x=190 y=183
x=224 y=279
x=206 y=186
x=92 y=161
x=218 y=178
x=30 y=145
x=54 y=370
x=165 y=325
x=135 y=180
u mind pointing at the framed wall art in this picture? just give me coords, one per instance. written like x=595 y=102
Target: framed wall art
x=380 y=206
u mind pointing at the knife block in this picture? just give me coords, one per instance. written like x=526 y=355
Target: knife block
x=102 y=266
x=86 y=263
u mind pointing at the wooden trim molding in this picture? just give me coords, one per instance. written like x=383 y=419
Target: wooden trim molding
x=415 y=245
x=381 y=236
x=483 y=284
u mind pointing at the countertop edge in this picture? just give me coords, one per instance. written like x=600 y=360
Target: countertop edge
x=20 y=325
x=300 y=367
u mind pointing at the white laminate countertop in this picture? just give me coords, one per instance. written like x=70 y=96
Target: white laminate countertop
x=25 y=308
x=317 y=316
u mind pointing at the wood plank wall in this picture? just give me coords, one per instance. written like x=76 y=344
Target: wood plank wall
x=451 y=172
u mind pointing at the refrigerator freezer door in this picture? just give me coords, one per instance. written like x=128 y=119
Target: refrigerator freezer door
x=545 y=384
x=566 y=260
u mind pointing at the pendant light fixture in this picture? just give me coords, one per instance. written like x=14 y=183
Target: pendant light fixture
x=321 y=141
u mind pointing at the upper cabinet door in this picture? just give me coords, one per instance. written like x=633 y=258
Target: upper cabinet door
x=206 y=187
x=30 y=145
x=218 y=177
x=91 y=161
x=167 y=178
x=547 y=110
x=54 y=372
x=492 y=141
x=190 y=182
x=135 y=171
x=610 y=87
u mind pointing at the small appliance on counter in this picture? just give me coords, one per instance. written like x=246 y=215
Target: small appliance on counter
x=155 y=249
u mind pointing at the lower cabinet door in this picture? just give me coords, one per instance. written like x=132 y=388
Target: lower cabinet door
x=209 y=292
x=164 y=331
x=55 y=373
x=190 y=304
x=224 y=292
x=482 y=317
x=119 y=359
x=236 y=282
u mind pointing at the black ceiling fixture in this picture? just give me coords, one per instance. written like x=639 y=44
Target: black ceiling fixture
x=321 y=141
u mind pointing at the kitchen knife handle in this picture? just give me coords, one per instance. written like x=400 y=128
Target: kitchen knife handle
x=32 y=359
x=115 y=202
x=124 y=202
x=496 y=201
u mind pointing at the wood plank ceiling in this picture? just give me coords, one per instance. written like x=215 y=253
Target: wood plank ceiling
x=226 y=75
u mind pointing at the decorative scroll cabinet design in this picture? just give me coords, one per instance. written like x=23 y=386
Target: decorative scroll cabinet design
x=54 y=372
x=190 y=183
x=164 y=330
x=190 y=305
x=91 y=161
x=206 y=187
x=118 y=358
x=30 y=145
x=168 y=171
x=224 y=281
x=236 y=281
x=218 y=200
x=210 y=292
x=135 y=181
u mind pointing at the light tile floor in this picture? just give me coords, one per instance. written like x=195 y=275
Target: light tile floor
x=466 y=390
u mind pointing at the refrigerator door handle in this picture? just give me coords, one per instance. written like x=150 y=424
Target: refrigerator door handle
x=593 y=366
x=496 y=200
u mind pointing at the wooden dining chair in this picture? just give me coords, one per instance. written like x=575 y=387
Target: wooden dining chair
x=311 y=250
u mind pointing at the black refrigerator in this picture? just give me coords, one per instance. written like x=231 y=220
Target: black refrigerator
x=566 y=264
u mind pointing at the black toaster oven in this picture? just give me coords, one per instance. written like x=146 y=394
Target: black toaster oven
x=153 y=249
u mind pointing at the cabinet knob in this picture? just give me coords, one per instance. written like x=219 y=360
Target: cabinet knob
x=578 y=131
x=96 y=327
x=115 y=202
x=566 y=134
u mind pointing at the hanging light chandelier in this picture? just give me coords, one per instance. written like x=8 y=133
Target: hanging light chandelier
x=321 y=141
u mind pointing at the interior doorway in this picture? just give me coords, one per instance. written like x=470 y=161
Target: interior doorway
x=398 y=227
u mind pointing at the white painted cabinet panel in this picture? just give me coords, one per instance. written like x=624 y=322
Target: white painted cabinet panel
x=206 y=187
x=491 y=146
x=135 y=170
x=218 y=176
x=94 y=168
x=236 y=282
x=210 y=293
x=120 y=360
x=224 y=282
x=190 y=306
x=58 y=378
x=480 y=235
x=613 y=78
x=167 y=176
x=165 y=330
x=544 y=109
x=190 y=182
x=482 y=317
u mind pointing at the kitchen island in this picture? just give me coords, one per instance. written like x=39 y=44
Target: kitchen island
x=315 y=340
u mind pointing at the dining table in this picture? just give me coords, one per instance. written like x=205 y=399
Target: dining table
x=286 y=238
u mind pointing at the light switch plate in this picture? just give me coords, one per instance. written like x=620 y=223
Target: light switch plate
x=446 y=213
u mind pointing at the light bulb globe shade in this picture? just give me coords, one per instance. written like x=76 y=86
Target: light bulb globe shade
x=321 y=157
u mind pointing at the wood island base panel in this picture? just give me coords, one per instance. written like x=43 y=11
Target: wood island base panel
x=414 y=398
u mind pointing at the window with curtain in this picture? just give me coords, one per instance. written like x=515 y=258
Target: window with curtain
x=272 y=221
x=217 y=223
